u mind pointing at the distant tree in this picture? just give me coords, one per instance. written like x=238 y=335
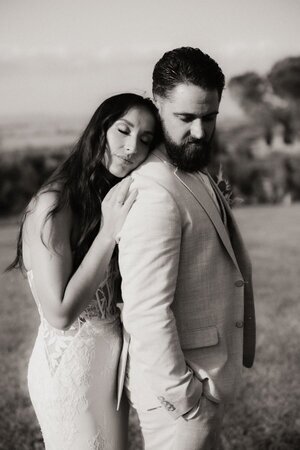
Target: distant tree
x=257 y=181
x=293 y=175
x=256 y=95
x=21 y=175
x=251 y=92
x=248 y=89
x=285 y=78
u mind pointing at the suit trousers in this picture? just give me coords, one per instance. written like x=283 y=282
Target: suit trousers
x=160 y=431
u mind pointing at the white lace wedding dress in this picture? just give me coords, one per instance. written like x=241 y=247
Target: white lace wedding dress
x=72 y=376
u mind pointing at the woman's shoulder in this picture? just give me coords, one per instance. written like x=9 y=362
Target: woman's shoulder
x=48 y=195
x=43 y=204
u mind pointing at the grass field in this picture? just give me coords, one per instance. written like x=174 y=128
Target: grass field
x=266 y=414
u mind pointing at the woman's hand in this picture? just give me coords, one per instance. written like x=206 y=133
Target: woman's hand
x=116 y=206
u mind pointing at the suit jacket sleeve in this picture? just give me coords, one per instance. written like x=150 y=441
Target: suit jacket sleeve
x=149 y=251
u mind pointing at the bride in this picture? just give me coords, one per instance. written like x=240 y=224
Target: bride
x=67 y=247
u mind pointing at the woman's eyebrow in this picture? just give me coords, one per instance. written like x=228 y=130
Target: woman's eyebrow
x=132 y=125
x=126 y=121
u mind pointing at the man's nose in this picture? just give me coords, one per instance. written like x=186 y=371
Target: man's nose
x=197 y=130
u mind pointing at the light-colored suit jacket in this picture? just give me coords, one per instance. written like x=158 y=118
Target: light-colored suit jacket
x=188 y=310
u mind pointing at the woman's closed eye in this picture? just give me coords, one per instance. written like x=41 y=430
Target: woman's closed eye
x=123 y=130
x=147 y=140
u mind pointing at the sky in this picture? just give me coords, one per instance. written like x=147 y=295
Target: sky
x=63 y=57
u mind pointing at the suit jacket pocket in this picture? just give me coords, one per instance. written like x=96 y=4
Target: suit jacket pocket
x=202 y=337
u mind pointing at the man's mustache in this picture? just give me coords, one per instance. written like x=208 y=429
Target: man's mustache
x=195 y=141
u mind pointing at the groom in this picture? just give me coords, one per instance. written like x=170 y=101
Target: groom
x=188 y=304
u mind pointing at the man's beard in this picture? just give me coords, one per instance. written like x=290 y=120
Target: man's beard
x=190 y=156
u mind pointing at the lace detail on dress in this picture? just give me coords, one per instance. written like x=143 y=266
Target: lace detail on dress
x=102 y=307
x=56 y=342
x=97 y=443
x=72 y=374
x=104 y=303
x=66 y=402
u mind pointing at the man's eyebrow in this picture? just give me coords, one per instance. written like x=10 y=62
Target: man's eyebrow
x=212 y=113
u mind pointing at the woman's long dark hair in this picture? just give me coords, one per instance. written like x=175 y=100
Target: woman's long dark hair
x=81 y=181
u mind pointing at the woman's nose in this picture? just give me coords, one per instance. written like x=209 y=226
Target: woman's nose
x=131 y=146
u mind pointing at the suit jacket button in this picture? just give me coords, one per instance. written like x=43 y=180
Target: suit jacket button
x=239 y=324
x=239 y=283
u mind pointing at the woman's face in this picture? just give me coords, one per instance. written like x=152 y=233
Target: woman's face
x=129 y=140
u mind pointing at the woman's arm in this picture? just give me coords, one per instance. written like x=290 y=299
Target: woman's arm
x=64 y=296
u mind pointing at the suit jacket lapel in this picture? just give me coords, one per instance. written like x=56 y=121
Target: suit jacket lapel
x=236 y=238
x=200 y=193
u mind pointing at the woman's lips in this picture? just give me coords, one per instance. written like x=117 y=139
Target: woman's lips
x=126 y=161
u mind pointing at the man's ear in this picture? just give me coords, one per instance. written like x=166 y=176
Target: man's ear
x=158 y=102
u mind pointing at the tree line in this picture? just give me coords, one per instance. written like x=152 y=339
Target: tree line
x=272 y=106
